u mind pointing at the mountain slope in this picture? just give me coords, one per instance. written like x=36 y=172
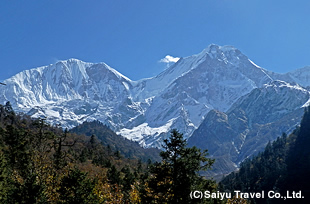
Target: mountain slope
x=116 y=142
x=299 y=76
x=254 y=120
x=71 y=92
x=213 y=79
x=282 y=167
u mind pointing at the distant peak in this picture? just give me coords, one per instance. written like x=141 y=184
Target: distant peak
x=214 y=48
x=74 y=60
x=70 y=60
x=225 y=48
x=221 y=52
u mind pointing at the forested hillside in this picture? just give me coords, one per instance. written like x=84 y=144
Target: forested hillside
x=283 y=167
x=116 y=143
x=40 y=163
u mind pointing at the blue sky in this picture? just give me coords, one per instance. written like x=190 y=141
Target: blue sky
x=133 y=36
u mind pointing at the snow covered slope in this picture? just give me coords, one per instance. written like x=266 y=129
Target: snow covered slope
x=71 y=91
x=254 y=120
x=212 y=79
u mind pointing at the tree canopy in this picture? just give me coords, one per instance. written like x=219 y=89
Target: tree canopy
x=177 y=174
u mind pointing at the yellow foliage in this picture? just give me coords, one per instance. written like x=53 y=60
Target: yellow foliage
x=109 y=194
x=134 y=195
x=159 y=197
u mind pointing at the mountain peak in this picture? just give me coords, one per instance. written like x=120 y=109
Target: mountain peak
x=226 y=53
x=74 y=63
x=223 y=48
x=72 y=91
x=71 y=60
x=212 y=48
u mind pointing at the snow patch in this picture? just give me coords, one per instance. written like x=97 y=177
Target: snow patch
x=139 y=132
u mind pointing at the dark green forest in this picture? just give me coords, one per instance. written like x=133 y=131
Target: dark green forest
x=283 y=168
x=116 y=143
x=41 y=163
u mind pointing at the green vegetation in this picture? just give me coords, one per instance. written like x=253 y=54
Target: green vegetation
x=116 y=143
x=40 y=163
x=283 y=167
x=177 y=175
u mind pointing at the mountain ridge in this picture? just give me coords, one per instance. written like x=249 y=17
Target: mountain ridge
x=72 y=91
x=251 y=122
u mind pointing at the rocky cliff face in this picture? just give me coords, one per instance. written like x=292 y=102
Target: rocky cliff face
x=251 y=122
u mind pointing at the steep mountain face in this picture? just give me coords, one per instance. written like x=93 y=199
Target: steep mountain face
x=254 y=120
x=283 y=165
x=71 y=92
x=213 y=79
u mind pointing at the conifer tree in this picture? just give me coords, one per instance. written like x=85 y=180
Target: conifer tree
x=76 y=187
x=299 y=158
x=178 y=173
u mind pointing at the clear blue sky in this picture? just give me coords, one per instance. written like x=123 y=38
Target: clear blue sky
x=132 y=36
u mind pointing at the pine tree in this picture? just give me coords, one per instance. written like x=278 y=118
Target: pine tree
x=113 y=175
x=299 y=158
x=76 y=187
x=178 y=173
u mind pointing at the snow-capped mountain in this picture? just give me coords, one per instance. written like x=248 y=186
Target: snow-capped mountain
x=299 y=76
x=71 y=91
x=254 y=120
x=212 y=79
